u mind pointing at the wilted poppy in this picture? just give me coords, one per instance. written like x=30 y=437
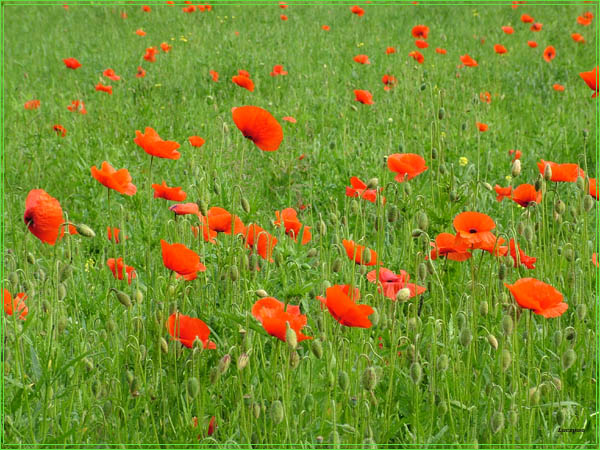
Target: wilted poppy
x=362 y=59
x=446 y=245
x=357 y=10
x=364 y=97
x=526 y=194
x=141 y=73
x=196 y=141
x=165 y=47
x=17 y=304
x=420 y=31
x=536 y=27
x=214 y=75
x=500 y=49
x=522 y=258
x=441 y=51
x=578 y=38
x=421 y=43
x=508 y=30
x=344 y=309
x=72 y=63
x=406 y=165
x=502 y=193
x=113 y=234
x=474 y=230
x=292 y=225
x=481 y=126
x=219 y=220
x=152 y=144
x=390 y=283
x=591 y=79
x=181 y=260
x=355 y=253
x=259 y=126
x=326 y=27
x=562 y=172
x=558 y=87
x=244 y=82
x=32 y=104
x=186 y=330
x=103 y=88
x=417 y=56
x=538 y=296
x=389 y=81
x=274 y=315
x=485 y=97
x=168 y=193
x=549 y=53
x=110 y=73
x=468 y=61
x=181 y=209
x=532 y=44
x=526 y=18
x=390 y=50
x=119 y=180
x=278 y=70
x=77 y=106
x=359 y=189
x=261 y=241
x=289 y=119
x=117 y=265
x=44 y=216
x=60 y=130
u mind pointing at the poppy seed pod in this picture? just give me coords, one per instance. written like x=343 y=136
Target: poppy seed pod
x=548 y=172
x=139 y=296
x=84 y=230
x=337 y=265
x=245 y=204
x=317 y=348
x=497 y=422
x=369 y=378
x=568 y=359
x=465 y=337
x=493 y=341
x=276 y=412
x=290 y=336
x=515 y=170
x=505 y=359
x=588 y=203
x=507 y=324
x=343 y=380
x=416 y=373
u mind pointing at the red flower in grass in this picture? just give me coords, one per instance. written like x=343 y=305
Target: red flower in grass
x=259 y=126
x=500 y=49
x=525 y=194
x=585 y=20
x=109 y=73
x=207 y=234
x=211 y=426
x=113 y=233
x=141 y=73
x=243 y=73
x=359 y=189
x=558 y=87
x=283 y=17
x=485 y=97
x=417 y=56
x=508 y=30
x=390 y=50
x=186 y=330
x=168 y=193
x=165 y=47
x=32 y=104
x=60 y=130
x=103 y=88
x=532 y=44
x=441 y=51
x=244 y=82
x=406 y=165
x=446 y=245
x=549 y=53
x=274 y=315
x=140 y=32
x=72 y=63
x=326 y=27
x=44 y=217
x=292 y=225
x=344 y=309
x=502 y=193
x=595 y=259
x=468 y=61
x=152 y=144
x=146 y=8
x=516 y=154
x=150 y=54
x=536 y=27
x=523 y=259
x=357 y=253
x=214 y=75
x=219 y=220
x=181 y=260
x=196 y=141
x=578 y=38
x=591 y=79
x=181 y=209
x=562 y=172
x=260 y=241
x=391 y=283
x=481 y=126
x=526 y=18
x=420 y=31
x=474 y=230
x=17 y=304
x=116 y=266
x=77 y=106
x=364 y=97
x=538 y=296
x=362 y=59
x=289 y=119
x=119 y=180
x=388 y=81
x=278 y=70
x=593 y=188
x=421 y=43
x=357 y=10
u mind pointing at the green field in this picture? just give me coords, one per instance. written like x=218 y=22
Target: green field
x=93 y=364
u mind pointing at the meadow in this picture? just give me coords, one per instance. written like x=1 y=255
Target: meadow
x=448 y=298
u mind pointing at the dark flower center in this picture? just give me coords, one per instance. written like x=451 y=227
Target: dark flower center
x=472 y=230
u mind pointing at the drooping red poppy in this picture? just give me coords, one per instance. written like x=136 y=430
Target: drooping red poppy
x=525 y=194
x=273 y=315
x=283 y=17
x=420 y=43
x=593 y=191
x=219 y=220
x=474 y=230
x=532 y=44
x=292 y=225
x=578 y=38
x=500 y=49
x=406 y=165
x=116 y=266
x=481 y=126
x=110 y=73
x=485 y=97
x=417 y=56
x=390 y=50
x=362 y=59
x=181 y=209
x=77 y=106
x=289 y=119
x=326 y=27
x=357 y=10
x=103 y=88
x=214 y=75
x=244 y=82
x=522 y=259
x=468 y=61
x=355 y=253
x=260 y=241
x=364 y=97
x=502 y=193
x=44 y=216
x=168 y=193
x=388 y=81
x=541 y=298
x=17 y=304
x=420 y=31
x=359 y=189
x=549 y=53
x=60 y=130
x=526 y=18
x=508 y=29
x=278 y=70
x=165 y=47
x=344 y=309
x=113 y=234
x=32 y=104
x=152 y=144
x=181 y=260
x=516 y=154
x=562 y=172
x=591 y=79
x=72 y=63
x=390 y=283
x=446 y=245
x=259 y=126
x=141 y=73
x=186 y=330
x=441 y=51
x=536 y=27
x=119 y=180
x=196 y=141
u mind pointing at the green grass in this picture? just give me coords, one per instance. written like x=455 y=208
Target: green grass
x=68 y=368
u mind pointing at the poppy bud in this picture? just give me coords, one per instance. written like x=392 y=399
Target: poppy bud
x=453 y=196
x=217 y=188
x=278 y=259
x=463 y=126
x=46 y=306
x=497 y=421
x=62 y=324
x=513 y=417
x=193 y=387
x=422 y=271
x=245 y=204
x=203 y=206
x=422 y=220
x=64 y=271
x=62 y=291
x=213 y=375
x=588 y=203
x=534 y=395
x=366 y=257
x=309 y=402
x=40 y=274
x=466 y=337
x=354 y=206
x=234 y=273
x=107 y=408
x=334 y=439
x=30 y=258
x=516 y=168
x=369 y=378
x=319 y=320
x=261 y=293
x=412 y=324
x=164 y=347
x=580 y=183
x=562 y=416
x=134 y=387
x=441 y=113
x=505 y=359
x=581 y=311
x=416 y=233
x=143 y=352
x=13 y=278
x=317 y=348
x=557 y=338
x=539 y=183
x=568 y=359
x=312 y=253
x=507 y=324
x=256 y=410
x=407 y=189
x=276 y=412
x=123 y=298
x=374 y=317
x=569 y=254
x=294 y=359
x=416 y=373
x=528 y=233
x=84 y=230
x=322 y=228
x=372 y=183
x=290 y=336
x=484 y=308
x=138 y=295
x=548 y=172
x=343 y=380
x=501 y=272
x=493 y=341
x=337 y=265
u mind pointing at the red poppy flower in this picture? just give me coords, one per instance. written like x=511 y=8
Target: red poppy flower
x=362 y=59
x=44 y=216
x=259 y=126
x=523 y=259
x=516 y=154
x=113 y=233
x=181 y=209
x=211 y=426
x=585 y=21
x=389 y=81
x=420 y=31
x=119 y=180
x=274 y=315
x=283 y=17
x=282 y=5
x=150 y=54
x=390 y=50
x=558 y=87
x=17 y=304
x=244 y=82
x=441 y=51
x=77 y=106
x=421 y=43
x=152 y=144
x=446 y=245
x=485 y=97
x=214 y=75
x=591 y=79
x=189 y=9
x=562 y=172
x=72 y=63
x=140 y=32
x=32 y=104
x=168 y=193
x=474 y=230
x=165 y=47
x=117 y=265
x=500 y=49
x=417 y=56
x=292 y=225
x=289 y=119
x=186 y=330
x=123 y=15
x=357 y=10
x=196 y=141
x=549 y=53
x=146 y=8
x=219 y=220
x=326 y=27
x=406 y=165
x=355 y=253
x=578 y=38
x=359 y=189
x=502 y=193
x=181 y=260
x=508 y=30
x=390 y=283
x=593 y=191
x=526 y=18
x=110 y=73
x=243 y=73
x=207 y=234
x=103 y=88
x=344 y=309
x=532 y=44
x=481 y=126
x=60 y=130
x=536 y=27
x=538 y=296
x=278 y=70
x=468 y=61
x=364 y=97
x=261 y=241
x=141 y=73
x=595 y=259
x=526 y=194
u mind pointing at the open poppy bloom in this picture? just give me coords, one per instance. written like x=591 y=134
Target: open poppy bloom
x=244 y=82
x=141 y=73
x=186 y=330
x=578 y=38
x=406 y=165
x=417 y=56
x=60 y=130
x=119 y=180
x=72 y=63
x=152 y=144
x=538 y=296
x=344 y=309
x=207 y=234
x=593 y=191
x=32 y=104
x=508 y=30
x=181 y=260
x=196 y=141
x=500 y=49
x=77 y=106
x=474 y=230
x=355 y=253
x=532 y=44
x=390 y=50
x=165 y=47
x=558 y=87
x=562 y=172
x=278 y=70
x=389 y=81
x=103 y=88
x=17 y=304
x=44 y=216
x=364 y=97
x=549 y=53
x=273 y=315
x=113 y=233
x=525 y=194
x=446 y=245
x=516 y=154
x=421 y=43
x=536 y=27
x=109 y=73
x=468 y=61
x=150 y=54
x=420 y=31
x=359 y=189
x=146 y=8
x=357 y=10
x=523 y=259
x=441 y=51
x=214 y=75
x=289 y=119
x=585 y=21
x=390 y=283
x=261 y=241
x=362 y=59
x=526 y=18
x=117 y=265
x=140 y=32
x=219 y=220
x=168 y=193
x=259 y=126
x=181 y=209
x=502 y=193
x=292 y=225
x=591 y=79
x=481 y=126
